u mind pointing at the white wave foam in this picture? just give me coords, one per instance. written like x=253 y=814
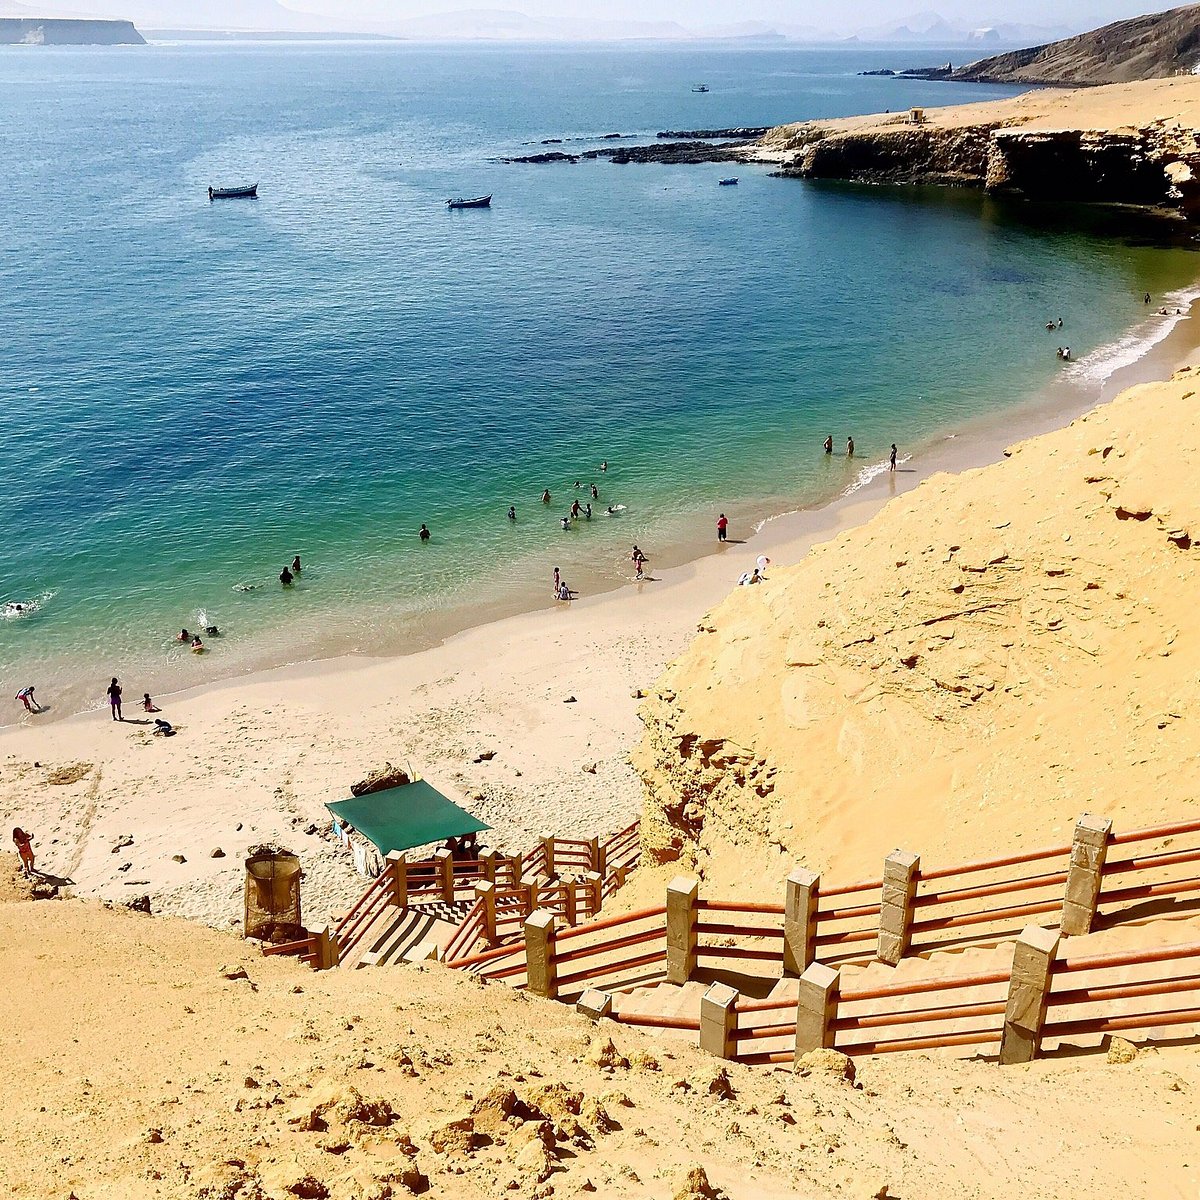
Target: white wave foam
x=18 y=610
x=871 y=472
x=1100 y=366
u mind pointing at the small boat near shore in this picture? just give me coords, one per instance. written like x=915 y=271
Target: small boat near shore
x=728 y=182
x=245 y=191
x=477 y=202
x=700 y=87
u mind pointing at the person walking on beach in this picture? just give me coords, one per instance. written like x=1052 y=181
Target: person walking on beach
x=892 y=458
x=25 y=695
x=722 y=527
x=829 y=444
x=24 y=843
x=114 y=699
x=423 y=533
x=1146 y=298
x=849 y=447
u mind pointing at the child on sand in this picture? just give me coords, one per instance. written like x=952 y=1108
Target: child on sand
x=24 y=844
x=25 y=695
x=148 y=705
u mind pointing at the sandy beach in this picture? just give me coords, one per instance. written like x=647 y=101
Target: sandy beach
x=553 y=694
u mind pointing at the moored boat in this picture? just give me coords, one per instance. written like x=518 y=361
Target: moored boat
x=245 y=191
x=728 y=182
x=477 y=202
x=700 y=87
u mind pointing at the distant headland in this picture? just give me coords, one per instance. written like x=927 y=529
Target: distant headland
x=63 y=31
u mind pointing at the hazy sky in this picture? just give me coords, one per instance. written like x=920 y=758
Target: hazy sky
x=830 y=14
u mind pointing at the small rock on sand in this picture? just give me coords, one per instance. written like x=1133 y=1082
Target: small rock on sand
x=1120 y=1051
x=217 y=853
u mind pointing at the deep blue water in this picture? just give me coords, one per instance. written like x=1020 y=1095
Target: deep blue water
x=192 y=393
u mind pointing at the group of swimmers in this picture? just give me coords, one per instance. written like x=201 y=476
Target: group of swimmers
x=194 y=641
x=827 y=445
x=289 y=575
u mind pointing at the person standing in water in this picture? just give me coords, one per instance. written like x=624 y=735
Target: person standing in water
x=829 y=444
x=296 y=565
x=638 y=559
x=557 y=581
x=114 y=699
x=546 y=496
x=604 y=465
x=512 y=512
x=722 y=527
x=25 y=695
x=892 y=458
x=849 y=447
x=595 y=492
x=286 y=577
x=424 y=533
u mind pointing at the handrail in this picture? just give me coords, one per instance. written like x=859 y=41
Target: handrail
x=868 y=885
x=982 y=1038
x=1126 y=958
x=1153 y=833
x=1180 y=1016
x=994 y=864
x=982 y=918
x=916 y=987
x=1123 y=991
x=1149 y=862
x=958 y=895
x=775 y=910
x=638 y=914
x=304 y=945
x=918 y=1016
x=1145 y=891
x=654 y=1022
x=611 y=968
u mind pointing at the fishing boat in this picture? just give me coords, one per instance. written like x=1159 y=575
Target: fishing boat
x=477 y=202
x=699 y=87
x=245 y=191
x=728 y=182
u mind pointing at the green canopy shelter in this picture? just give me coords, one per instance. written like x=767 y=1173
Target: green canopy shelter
x=403 y=817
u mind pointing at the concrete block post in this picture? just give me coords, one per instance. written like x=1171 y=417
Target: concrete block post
x=541 y=969
x=571 y=902
x=515 y=868
x=397 y=869
x=548 y=847
x=900 y=873
x=800 y=920
x=328 y=952
x=683 y=894
x=599 y=857
x=485 y=893
x=594 y=1004
x=1028 y=991
x=489 y=864
x=1089 y=849
x=531 y=882
x=595 y=885
x=816 y=1009
x=719 y=1021
x=444 y=868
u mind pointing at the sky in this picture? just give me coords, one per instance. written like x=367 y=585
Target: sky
x=830 y=14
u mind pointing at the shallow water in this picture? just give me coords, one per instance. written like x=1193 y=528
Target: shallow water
x=192 y=393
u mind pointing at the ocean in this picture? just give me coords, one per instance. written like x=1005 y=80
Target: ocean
x=192 y=393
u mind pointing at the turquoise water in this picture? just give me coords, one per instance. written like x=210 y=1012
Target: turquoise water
x=192 y=393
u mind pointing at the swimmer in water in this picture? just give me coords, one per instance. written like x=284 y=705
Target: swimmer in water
x=610 y=511
x=197 y=645
x=578 y=484
x=183 y=636
x=595 y=492
x=604 y=465
x=546 y=496
x=512 y=512
x=286 y=577
x=424 y=533
x=296 y=565
x=211 y=631
x=587 y=511
x=565 y=522
x=575 y=510
x=829 y=444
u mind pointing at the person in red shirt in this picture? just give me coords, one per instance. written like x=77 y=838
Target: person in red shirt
x=24 y=844
x=722 y=527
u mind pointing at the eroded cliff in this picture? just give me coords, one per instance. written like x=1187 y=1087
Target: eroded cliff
x=992 y=654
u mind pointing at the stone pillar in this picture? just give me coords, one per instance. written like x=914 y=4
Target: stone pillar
x=541 y=969
x=719 y=1020
x=397 y=869
x=816 y=1009
x=530 y=882
x=548 y=847
x=800 y=920
x=1089 y=849
x=900 y=872
x=682 y=895
x=485 y=891
x=489 y=864
x=1028 y=991
x=444 y=869
x=328 y=952
x=571 y=902
x=599 y=857
x=595 y=885
x=594 y=1004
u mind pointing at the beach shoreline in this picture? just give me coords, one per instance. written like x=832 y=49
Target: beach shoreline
x=972 y=442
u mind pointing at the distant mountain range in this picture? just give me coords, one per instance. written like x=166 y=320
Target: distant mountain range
x=261 y=16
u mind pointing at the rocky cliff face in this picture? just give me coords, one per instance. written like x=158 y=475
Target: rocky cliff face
x=1158 y=165
x=47 y=31
x=1150 y=47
